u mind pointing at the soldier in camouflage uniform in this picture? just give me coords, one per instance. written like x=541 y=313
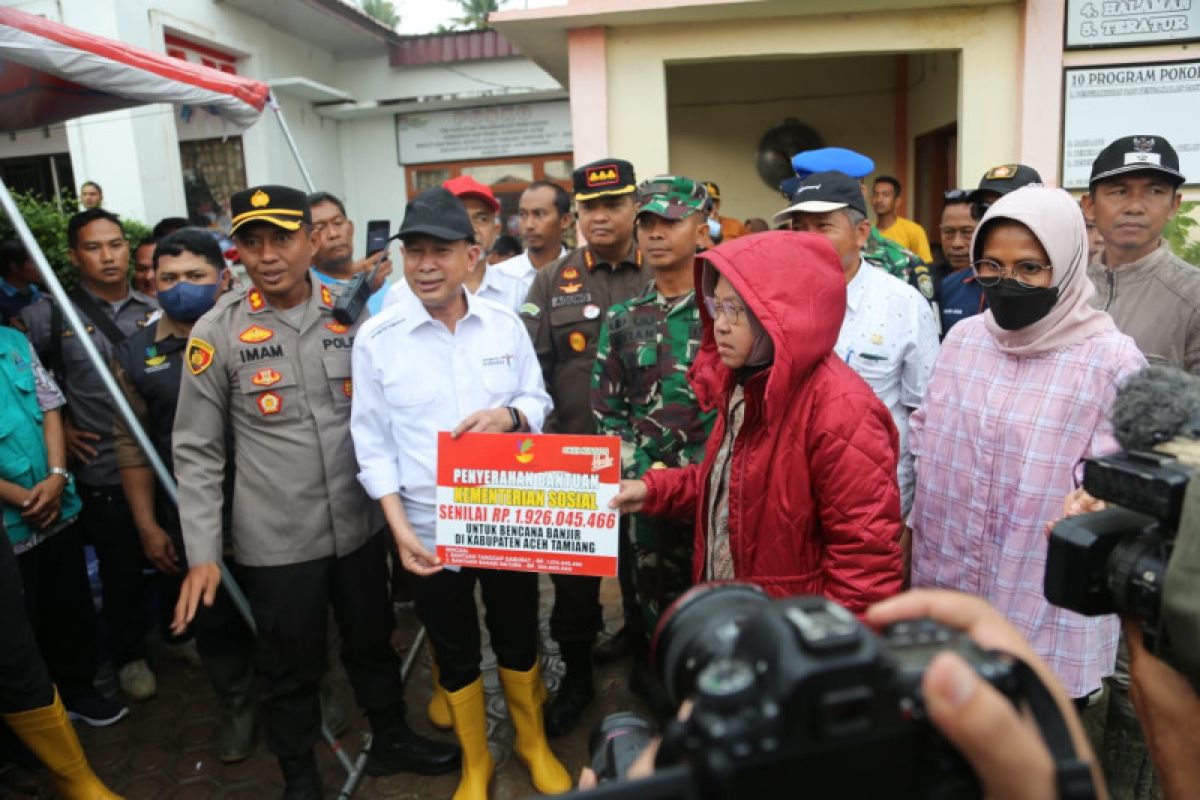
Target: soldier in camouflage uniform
x=640 y=389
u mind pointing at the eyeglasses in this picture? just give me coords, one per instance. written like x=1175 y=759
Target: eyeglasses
x=989 y=272
x=716 y=308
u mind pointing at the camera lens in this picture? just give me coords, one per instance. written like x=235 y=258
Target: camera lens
x=1135 y=576
x=616 y=742
x=699 y=627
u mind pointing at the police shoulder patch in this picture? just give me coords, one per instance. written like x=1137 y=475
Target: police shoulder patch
x=530 y=309
x=199 y=355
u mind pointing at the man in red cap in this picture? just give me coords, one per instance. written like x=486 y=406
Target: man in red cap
x=482 y=207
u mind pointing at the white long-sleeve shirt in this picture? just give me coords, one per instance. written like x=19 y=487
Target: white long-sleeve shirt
x=890 y=339
x=414 y=378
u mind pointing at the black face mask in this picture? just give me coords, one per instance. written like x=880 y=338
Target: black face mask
x=1015 y=306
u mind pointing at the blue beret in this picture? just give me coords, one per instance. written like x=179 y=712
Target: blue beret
x=837 y=159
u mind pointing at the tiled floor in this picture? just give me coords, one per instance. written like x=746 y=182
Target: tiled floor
x=164 y=749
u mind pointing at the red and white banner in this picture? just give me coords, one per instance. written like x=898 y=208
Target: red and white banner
x=528 y=502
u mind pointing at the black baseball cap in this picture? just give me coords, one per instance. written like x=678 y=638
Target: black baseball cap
x=1004 y=179
x=822 y=192
x=1137 y=154
x=610 y=176
x=281 y=206
x=437 y=212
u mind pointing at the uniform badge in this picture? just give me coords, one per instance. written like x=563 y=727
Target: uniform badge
x=348 y=387
x=570 y=274
x=1001 y=173
x=255 y=299
x=260 y=199
x=68 y=332
x=269 y=403
x=337 y=327
x=256 y=334
x=266 y=377
x=199 y=355
x=155 y=361
x=326 y=296
x=569 y=288
x=602 y=175
x=591 y=311
x=577 y=341
x=530 y=309
x=876 y=338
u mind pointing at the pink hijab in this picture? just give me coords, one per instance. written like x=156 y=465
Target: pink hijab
x=1055 y=219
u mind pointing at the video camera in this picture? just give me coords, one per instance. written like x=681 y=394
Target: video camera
x=797 y=696
x=1140 y=559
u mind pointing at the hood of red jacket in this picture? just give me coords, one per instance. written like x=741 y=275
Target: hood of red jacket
x=793 y=282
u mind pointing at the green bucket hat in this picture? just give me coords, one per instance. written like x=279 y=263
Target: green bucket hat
x=671 y=196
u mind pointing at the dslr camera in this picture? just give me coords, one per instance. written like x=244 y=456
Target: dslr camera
x=796 y=695
x=1141 y=558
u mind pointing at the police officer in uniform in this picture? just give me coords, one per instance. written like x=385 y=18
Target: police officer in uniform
x=272 y=364
x=564 y=312
x=111 y=311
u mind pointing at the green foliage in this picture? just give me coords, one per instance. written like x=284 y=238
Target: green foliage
x=47 y=220
x=474 y=15
x=1181 y=232
x=382 y=10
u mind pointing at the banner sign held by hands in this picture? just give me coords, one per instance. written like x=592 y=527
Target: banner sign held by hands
x=528 y=502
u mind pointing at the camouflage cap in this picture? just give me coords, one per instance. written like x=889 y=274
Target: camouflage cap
x=671 y=196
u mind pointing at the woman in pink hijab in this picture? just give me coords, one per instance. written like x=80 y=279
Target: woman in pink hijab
x=1019 y=395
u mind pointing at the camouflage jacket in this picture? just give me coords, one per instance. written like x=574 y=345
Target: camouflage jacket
x=899 y=261
x=640 y=389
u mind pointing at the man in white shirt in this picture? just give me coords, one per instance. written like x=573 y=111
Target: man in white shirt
x=545 y=213
x=492 y=283
x=889 y=336
x=444 y=359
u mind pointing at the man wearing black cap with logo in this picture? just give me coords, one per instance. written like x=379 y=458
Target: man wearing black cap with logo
x=999 y=181
x=272 y=364
x=479 y=374
x=564 y=312
x=1152 y=294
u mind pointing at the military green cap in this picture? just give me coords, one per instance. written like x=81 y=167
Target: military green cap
x=671 y=196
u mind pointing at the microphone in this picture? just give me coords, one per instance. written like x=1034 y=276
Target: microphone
x=1155 y=406
x=354 y=297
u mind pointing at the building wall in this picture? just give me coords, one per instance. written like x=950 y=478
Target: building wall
x=637 y=57
x=718 y=112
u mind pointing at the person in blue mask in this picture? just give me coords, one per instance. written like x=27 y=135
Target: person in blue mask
x=189 y=274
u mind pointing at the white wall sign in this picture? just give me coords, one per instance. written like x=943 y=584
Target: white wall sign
x=1103 y=23
x=466 y=134
x=1106 y=103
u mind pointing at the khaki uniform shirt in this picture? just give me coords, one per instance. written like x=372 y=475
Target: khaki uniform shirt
x=1156 y=302
x=286 y=392
x=564 y=312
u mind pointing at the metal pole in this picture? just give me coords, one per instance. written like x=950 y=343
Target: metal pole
x=110 y=384
x=287 y=134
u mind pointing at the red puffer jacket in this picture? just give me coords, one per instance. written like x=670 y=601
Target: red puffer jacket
x=813 y=502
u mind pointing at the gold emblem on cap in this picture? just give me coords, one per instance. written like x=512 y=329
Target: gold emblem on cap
x=260 y=199
x=1001 y=173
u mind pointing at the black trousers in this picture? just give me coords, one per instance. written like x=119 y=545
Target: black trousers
x=59 y=602
x=24 y=681
x=290 y=605
x=445 y=604
x=219 y=630
x=576 y=617
x=108 y=526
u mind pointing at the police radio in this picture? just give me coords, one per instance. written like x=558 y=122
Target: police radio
x=350 y=305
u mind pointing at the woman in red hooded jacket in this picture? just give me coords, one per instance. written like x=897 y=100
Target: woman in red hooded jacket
x=797 y=491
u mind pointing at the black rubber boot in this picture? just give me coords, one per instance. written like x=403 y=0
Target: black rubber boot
x=397 y=748
x=301 y=781
x=575 y=693
x=232 y=679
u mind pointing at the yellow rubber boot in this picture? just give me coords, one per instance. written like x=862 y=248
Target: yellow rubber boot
x=470 y=725
x=48 y=733
x=525 y=693
x=439 y=710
